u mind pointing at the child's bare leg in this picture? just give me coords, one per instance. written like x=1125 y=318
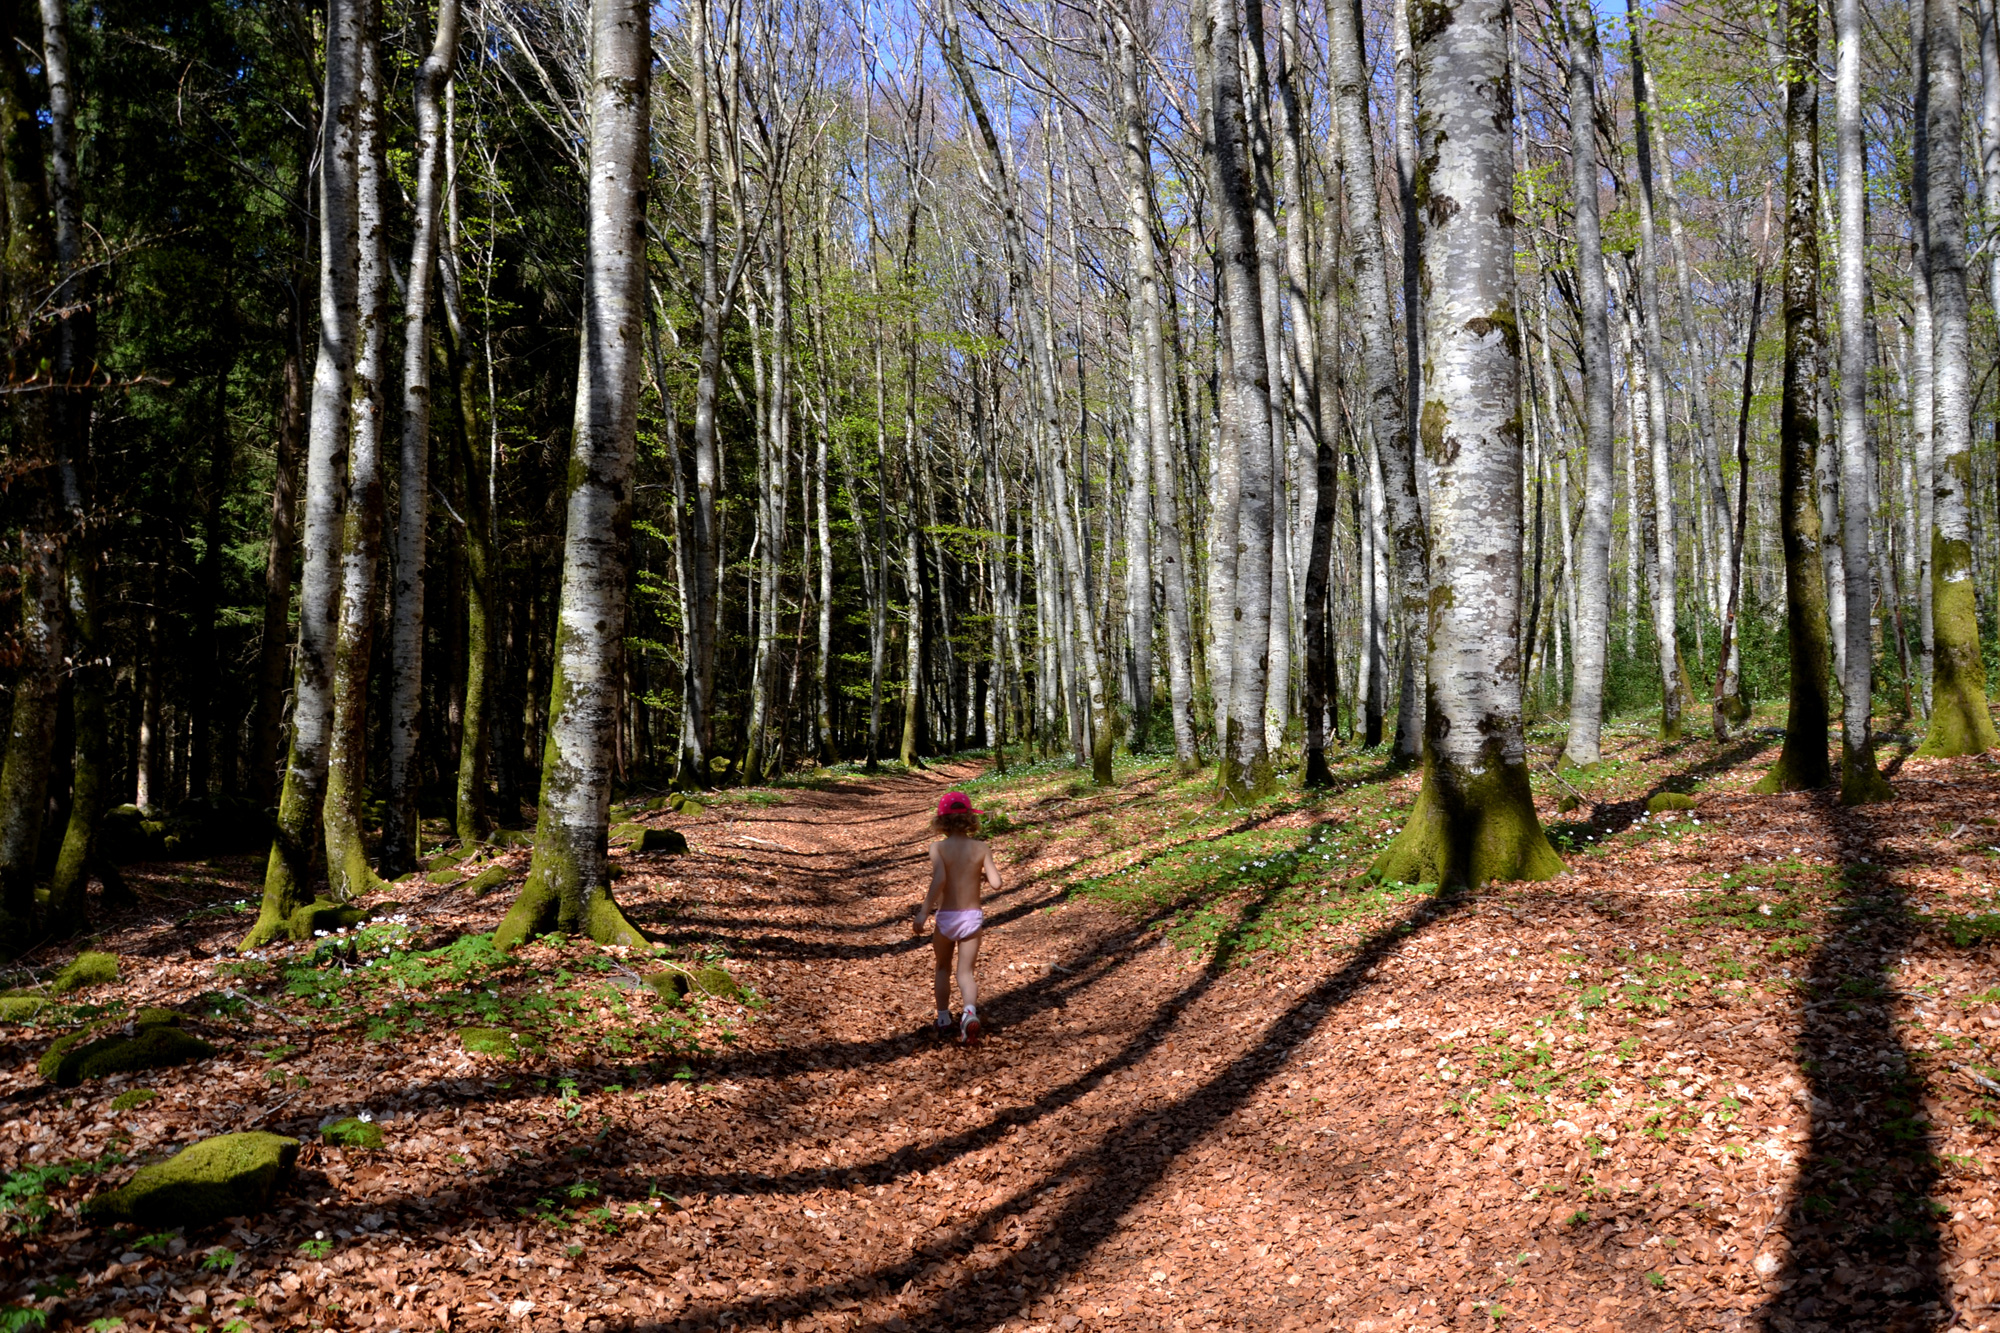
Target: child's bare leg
x=942 y=948
x=968 y=985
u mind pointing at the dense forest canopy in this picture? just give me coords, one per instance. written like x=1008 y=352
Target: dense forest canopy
x=457 y=411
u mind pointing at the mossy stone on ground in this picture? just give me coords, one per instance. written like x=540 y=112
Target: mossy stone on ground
x=156 y=1017
x=445 y=859
x=230 y=1176
x=133 y=1099
x=353 y=1132
x=1669 y=800
x=641 y=838
x=72 y=1060
x=86 y=969
x=486 y=881
x=496 y=1042
x=321 y=914
x=678 y=982
x=445 y=878
x=19 y=1007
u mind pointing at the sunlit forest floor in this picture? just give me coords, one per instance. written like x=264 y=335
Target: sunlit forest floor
x=1740 y=1067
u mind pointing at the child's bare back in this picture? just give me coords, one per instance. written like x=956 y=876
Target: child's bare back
x=962 y=868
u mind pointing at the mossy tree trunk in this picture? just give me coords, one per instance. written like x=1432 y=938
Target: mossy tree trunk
x=348 y=872
x=1802 y=763
x=294 y=857
x=1474 y=820
x=568 y=885
x=1960 y=722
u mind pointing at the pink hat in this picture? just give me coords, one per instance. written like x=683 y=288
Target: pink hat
x=956 y=803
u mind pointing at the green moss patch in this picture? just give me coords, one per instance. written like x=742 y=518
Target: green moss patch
x=74 y=1059
x=20 y=1007
x=1669 y=800
x=230 y=1176
x=354 y=1132
x=445 y=878
x=86 y=969
x=133 y=1099
x=496 y=1042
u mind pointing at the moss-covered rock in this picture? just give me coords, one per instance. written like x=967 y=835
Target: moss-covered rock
x=230 y=1176
x=445 y=878
x=496 y=1042
x=133 y=1099
x=322 y=914
x=690 y=806
x=677 y=982
x=86 y=969
x=641 y=838
x=445 y=859
x=20 y=1006
x=75 y=1059
x=354 y=1132
x=1566 y=803
x=486 y=881
x=156 y=1017
x=1669 y=800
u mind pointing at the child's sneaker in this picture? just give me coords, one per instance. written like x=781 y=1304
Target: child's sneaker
x=944 y=1024
x=968 y=1029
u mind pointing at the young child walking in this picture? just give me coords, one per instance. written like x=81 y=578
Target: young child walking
x=960 y=863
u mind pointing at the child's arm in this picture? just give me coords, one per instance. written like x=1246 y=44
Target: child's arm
x=926 y=907
x=991 y=869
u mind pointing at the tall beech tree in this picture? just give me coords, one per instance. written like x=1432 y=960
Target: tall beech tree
x=568 y=886
x=1960 y=722
x=1860 y=780
x=1474 y=819
x=296 y=845
x=1582 y=746
x=1802 y=762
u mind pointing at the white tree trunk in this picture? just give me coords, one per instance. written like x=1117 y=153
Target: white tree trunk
x=1385 y=388
x=347 y=870
x=1246 y=415
x=567 y=887
x=1859 y=780
x=399 y=833
x=1960 y=723
x=289 y=872
x=1474 y=820
x=1583 y=745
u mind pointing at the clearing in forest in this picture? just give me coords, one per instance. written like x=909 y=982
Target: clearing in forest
x=1736 y=1069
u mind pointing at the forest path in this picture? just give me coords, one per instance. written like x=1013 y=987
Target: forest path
x=1062 y=1170
x=1229 y=1084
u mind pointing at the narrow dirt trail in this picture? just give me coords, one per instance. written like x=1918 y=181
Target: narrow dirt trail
x=1072 y=1168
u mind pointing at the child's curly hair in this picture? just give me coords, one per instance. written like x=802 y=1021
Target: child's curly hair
x=965 y=823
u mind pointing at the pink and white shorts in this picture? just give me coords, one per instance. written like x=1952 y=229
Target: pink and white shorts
x=960 y=925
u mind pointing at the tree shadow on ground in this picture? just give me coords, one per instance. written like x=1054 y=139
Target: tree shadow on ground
x=1105 y=1179
x=1861 y=1228
x=1612 y=817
